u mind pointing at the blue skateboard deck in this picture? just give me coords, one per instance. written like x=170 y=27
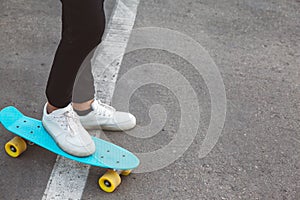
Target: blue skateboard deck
x=107 y=155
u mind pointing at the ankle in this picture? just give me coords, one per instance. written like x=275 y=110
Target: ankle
x=83 y=106
x=50 y=108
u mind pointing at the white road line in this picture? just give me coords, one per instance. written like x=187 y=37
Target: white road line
x=68 y=178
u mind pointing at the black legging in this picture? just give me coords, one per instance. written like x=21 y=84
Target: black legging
x=83 y=23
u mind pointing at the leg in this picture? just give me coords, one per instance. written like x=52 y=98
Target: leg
x=83 y=26
x=84 y=89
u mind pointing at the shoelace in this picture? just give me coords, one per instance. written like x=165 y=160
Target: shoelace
x=104 y=109
x=68 y=120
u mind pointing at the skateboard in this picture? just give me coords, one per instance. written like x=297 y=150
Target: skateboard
x=117 y=160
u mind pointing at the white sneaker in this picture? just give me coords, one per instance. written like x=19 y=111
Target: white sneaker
x=65 y=128
x=106 y=117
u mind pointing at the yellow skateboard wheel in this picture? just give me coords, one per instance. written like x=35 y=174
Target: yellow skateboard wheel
x=109 y=181
x=126 y=172
x=15 y=147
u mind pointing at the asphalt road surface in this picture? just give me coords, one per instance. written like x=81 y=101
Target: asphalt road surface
x=255 y=45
